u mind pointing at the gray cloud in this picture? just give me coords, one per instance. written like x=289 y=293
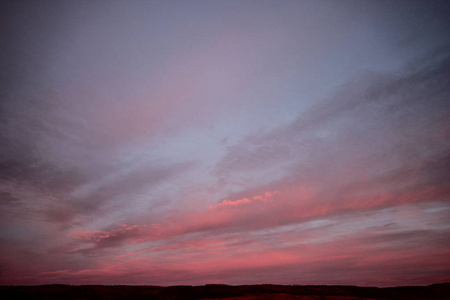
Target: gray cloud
x=386 y=122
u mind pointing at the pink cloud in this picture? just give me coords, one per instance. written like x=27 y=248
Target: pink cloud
x=264 y=198
x=98 y=236
x=271 y=209
x=306 y=256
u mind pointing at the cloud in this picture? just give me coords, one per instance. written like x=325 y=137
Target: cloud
x=267 y=196
x=371 y=127
x=175 y=144
x=374 y=146
x=116 y=234
x=7 y=199
x=114 y=188
x=363 y=247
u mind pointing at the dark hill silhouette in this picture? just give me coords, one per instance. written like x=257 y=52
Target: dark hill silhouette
x=220 y=291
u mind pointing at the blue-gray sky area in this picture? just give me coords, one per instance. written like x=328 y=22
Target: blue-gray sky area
x=236 y=142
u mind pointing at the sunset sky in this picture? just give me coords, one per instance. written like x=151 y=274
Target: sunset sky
x=236 y=142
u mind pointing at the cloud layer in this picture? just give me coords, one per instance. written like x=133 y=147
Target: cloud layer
x=192 y=143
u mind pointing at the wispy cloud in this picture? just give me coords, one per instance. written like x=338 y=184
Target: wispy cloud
x=266 y=197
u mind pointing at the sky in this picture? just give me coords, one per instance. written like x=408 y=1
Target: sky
x=235 y=142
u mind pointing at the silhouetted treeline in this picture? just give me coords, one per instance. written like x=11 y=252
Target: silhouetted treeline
x=219 y=291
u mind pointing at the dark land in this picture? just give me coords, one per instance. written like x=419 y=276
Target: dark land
x=218 y=291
